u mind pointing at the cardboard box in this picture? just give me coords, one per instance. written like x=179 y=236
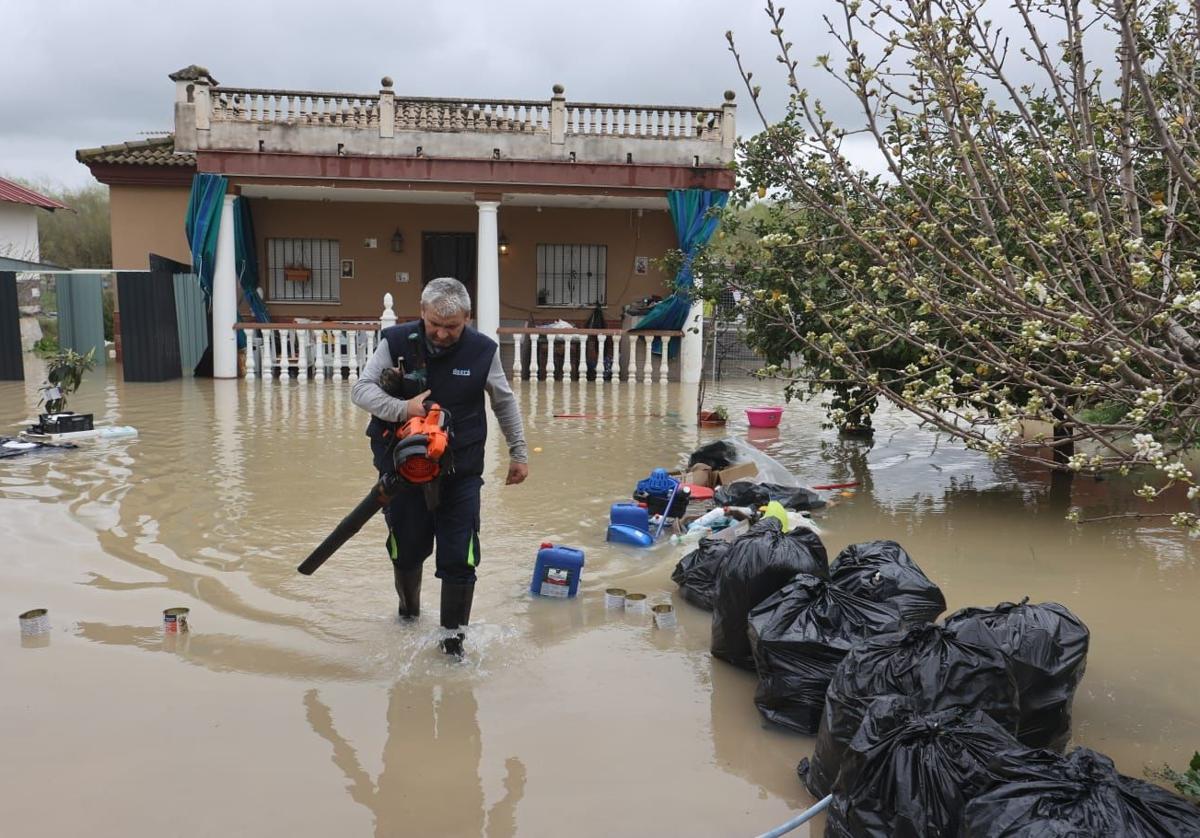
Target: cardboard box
x=700 y=475
x=739 y=471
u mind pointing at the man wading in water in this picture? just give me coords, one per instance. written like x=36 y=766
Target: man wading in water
x=458 y=365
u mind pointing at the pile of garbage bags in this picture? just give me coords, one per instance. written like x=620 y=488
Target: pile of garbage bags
x=923 y=728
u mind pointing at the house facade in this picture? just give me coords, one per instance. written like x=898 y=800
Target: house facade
x=545 y=209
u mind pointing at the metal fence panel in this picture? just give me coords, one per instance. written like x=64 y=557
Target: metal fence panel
x=12 y=367
x=81 y=314
x=192 y=320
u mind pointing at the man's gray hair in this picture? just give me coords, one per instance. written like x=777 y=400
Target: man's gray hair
x=446 y=297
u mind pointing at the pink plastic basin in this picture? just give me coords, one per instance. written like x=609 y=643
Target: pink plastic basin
x=764 y=417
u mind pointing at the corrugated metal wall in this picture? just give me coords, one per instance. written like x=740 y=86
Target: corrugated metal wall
x=81 y=314
x=149 y=335
x=192 y=320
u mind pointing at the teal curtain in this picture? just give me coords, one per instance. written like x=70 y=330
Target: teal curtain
x=245 y=254
x=694 y=212
x=201 y=224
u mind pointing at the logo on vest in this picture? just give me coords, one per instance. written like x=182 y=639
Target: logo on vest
x=462 y=372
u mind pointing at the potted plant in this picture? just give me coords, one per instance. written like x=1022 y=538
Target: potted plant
x=64 y=374
x=716 y=417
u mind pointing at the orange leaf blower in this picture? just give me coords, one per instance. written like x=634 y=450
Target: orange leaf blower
x=420 y=450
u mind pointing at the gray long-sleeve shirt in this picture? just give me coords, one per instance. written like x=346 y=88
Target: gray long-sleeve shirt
x=368 y=395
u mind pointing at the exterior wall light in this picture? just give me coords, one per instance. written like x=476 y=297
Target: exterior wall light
x=503 y=242
x=398 y=242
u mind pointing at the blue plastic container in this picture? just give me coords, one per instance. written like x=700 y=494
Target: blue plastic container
x=556 y=571
x=625 y=534
x=658 y=483
x=629 y=514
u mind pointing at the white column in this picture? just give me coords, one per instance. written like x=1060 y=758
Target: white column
x=533 y=356
x=224 y=301
x=691 y=345
x=487 y=274
x=516 y=364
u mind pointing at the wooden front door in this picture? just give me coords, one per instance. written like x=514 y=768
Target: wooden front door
x=449 y=254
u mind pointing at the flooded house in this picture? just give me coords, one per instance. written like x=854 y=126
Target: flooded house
x=316 y=215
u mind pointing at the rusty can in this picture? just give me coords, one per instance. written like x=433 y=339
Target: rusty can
x=175 y=620
x=614 y=598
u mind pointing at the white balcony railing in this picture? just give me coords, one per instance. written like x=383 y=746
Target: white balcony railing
x=212 y=117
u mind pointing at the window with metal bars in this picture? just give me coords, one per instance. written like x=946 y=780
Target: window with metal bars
x=572 y=275
x=304 y=270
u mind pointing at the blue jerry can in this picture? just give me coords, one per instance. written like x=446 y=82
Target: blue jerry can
x=630 y=514
x=556 y=572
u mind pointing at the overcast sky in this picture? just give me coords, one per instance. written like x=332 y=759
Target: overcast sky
x=79 y=74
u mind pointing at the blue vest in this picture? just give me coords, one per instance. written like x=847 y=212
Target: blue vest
x=457 y=377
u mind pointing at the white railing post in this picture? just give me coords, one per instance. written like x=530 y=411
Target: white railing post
x=285 y=355
x=558 y=116
x=551 y=361
x=352 y=341
x=616 y=345
x=581 y=356
x=388 y=317
x=387 y=108
x=533 y=356
x=516 y=365
x=663 y=364
x=301 y=353
x=250 y=334
x=268 y=353
x=319 y=354
x=647 y=357
x=728 y=126
x=339 y=337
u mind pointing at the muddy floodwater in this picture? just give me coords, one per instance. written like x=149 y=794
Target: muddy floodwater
x=300 y=706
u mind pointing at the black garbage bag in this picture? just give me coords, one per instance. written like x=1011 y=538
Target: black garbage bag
x=758 y=564
x=717 y=455
x=798 y=636
x=1040 y=794
x=884 y=572
x=747 y=493
x=1046 y=646
x=909 y=772
x=696 y=573
x=925 y=661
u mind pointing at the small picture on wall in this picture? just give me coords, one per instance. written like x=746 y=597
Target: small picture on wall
x=641 y=264
x=347 y=269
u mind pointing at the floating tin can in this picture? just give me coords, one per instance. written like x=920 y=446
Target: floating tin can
x=614 y=598
x=635 y=603
x=175 y=620
x=35 y=622
x=664 y=616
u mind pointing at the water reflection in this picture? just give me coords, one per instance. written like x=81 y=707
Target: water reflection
x=429 y=783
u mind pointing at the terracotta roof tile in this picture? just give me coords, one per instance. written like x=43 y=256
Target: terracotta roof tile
x=159 y=151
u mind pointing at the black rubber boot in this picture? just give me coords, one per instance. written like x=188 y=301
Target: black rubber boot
x=456 y=613
x=408 y=588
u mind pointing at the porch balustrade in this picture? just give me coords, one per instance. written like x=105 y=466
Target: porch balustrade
x=340 y=350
